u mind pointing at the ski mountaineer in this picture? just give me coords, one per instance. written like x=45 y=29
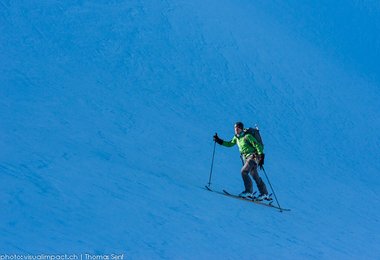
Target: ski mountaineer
x=253 y=156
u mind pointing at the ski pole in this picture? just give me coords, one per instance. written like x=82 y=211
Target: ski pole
x=212 y=165
x=272 y=189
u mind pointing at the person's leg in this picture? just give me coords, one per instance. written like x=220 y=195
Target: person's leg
x=259 y=182
x=247 y=167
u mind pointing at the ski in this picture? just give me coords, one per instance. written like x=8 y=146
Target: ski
x=228 y=194
x=254 y=198
x=269 y=204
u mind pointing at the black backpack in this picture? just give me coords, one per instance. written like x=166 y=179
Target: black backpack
x=254 y=131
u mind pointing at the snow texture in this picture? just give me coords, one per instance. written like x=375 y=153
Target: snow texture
x=108 y=109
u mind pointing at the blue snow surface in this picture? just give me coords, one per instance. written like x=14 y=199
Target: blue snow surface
x=108 y=109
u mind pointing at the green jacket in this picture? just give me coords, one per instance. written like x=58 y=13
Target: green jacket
x=247 y=144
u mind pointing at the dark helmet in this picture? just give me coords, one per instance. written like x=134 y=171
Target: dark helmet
x=239 y=125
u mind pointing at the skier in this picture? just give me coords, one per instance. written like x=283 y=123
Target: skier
x=253 y=156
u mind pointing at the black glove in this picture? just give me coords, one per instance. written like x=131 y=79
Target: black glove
x=261 y=161
x=217 y=139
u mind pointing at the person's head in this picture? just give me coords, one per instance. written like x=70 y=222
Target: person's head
x=238 y=128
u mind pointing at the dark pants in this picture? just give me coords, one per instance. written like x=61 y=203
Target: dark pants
x=250 y=167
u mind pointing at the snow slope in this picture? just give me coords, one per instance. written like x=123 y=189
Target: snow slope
x=108 y=112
